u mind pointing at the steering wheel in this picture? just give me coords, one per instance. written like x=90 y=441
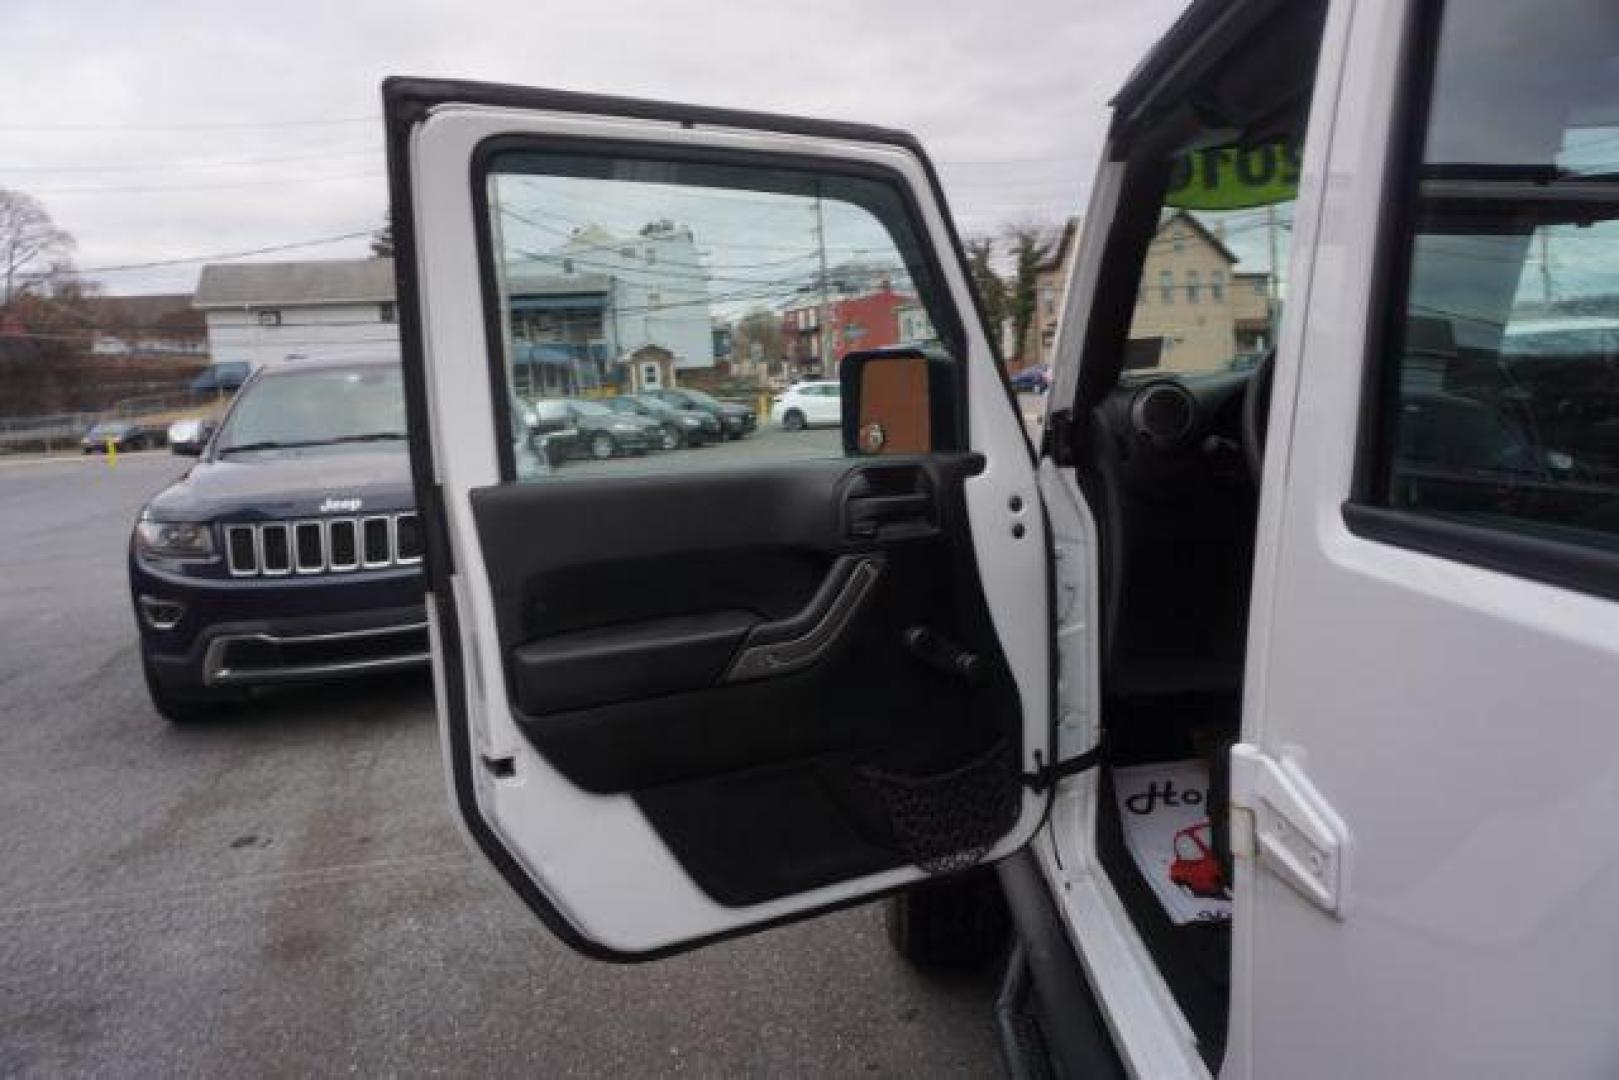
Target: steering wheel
x=1256 y=414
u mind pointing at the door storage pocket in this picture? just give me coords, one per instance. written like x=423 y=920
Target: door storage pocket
x=946 y=822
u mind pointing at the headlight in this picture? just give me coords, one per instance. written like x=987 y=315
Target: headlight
x=690 y=421
x=175 y=539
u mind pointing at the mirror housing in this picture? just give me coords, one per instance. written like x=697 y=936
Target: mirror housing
x=900 y=401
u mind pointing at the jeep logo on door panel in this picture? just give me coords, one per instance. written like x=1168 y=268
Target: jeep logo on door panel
x=334 y=505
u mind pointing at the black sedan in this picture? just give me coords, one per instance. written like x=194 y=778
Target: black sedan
x=601 y=433
x=124 y=435
x=735 y=421
x=678 y=427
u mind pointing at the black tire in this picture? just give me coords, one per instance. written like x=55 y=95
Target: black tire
x=671 y=437
x=793 y=420
x=179 y=708
x=950 y=924
x=602 y=446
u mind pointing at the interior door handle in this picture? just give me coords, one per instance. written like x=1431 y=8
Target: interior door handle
x=781 y=648
x=869 y=515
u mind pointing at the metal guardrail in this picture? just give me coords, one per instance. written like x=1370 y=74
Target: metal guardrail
x=57 y=431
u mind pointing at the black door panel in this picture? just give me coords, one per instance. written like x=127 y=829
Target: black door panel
x=739 y=650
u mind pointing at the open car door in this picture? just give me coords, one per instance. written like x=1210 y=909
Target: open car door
x=690 y=689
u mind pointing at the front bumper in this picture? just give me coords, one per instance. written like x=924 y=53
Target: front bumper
x=257 y=632
x=260 y=658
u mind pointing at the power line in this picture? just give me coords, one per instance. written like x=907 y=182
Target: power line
x=206 y=125
x=229 y=185
x=178 y=166
x=216 y=256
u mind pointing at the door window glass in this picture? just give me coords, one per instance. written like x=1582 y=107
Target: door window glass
x=1502 y=403
x=701 y=290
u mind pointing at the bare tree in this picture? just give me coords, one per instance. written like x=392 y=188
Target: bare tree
x=992 y=292
x=382 y=241
x=1029 y=245
x=28 y=239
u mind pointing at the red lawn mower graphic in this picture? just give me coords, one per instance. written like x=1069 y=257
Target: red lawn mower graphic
x=1195 y=868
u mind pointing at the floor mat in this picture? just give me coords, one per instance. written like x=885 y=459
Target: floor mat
x=1164 y=808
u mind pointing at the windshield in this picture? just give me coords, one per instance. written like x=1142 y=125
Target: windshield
x=701 y=398
x=591 y=408
x=318 y=407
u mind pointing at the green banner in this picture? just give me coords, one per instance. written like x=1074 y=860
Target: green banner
x=1233 y=178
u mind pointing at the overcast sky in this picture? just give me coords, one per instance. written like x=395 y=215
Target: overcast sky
x=160 y=131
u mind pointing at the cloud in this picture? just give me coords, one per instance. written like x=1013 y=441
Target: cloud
x=1009 y=97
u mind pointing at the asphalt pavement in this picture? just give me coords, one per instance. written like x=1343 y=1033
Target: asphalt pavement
x=283 y=892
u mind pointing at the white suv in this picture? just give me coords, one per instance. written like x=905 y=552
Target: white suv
x=1272 y=698
x=808 y=404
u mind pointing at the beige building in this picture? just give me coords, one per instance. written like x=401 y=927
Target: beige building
x=1194 y=310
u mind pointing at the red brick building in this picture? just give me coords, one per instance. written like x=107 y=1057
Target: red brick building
x=867 y=321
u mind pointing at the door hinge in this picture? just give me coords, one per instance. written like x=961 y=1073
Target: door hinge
x=1060 y=433
x=1047 y=775
x=1284 y=824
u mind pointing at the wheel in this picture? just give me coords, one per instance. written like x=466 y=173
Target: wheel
x=671 y=438
x=602 y=446
x=179 y=708
x=793 y=420
x=554 y=455
x=954 y=923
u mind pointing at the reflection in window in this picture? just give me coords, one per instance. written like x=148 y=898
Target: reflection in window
x=690 y=296
x=1504 y=406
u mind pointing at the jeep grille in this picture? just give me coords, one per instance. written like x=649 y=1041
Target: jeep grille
x=323 y=545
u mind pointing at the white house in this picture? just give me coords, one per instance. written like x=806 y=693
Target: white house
x=656 y=288
x=273 y=311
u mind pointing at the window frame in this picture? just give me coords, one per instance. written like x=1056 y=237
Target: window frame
x=1532 y=555
x=950 y=330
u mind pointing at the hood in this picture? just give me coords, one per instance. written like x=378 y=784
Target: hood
x=733 y=409
x=286 y=484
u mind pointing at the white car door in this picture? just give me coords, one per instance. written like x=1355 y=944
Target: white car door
x=685 y=696
x=827 y=405
x=1430 y=765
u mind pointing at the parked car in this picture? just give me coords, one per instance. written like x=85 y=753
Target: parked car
x=736 y=421
x=1362 y=597
x=678 y=427
x=552 y=423
x=587 y=428
x=1034 y=380
x=227 y=376
x=808 y=404
x=123 y=435
x=291 y=550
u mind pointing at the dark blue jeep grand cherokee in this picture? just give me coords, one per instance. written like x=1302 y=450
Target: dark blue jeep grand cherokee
x=291 y=550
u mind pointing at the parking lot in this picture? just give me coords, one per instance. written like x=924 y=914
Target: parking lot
x=283 y=892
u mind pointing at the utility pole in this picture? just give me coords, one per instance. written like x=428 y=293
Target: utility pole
x=1270 y=240
x=821 y=332
x=1545 y=265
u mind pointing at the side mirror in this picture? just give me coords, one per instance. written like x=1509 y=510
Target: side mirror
x=900 y=401
x=188 y=437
